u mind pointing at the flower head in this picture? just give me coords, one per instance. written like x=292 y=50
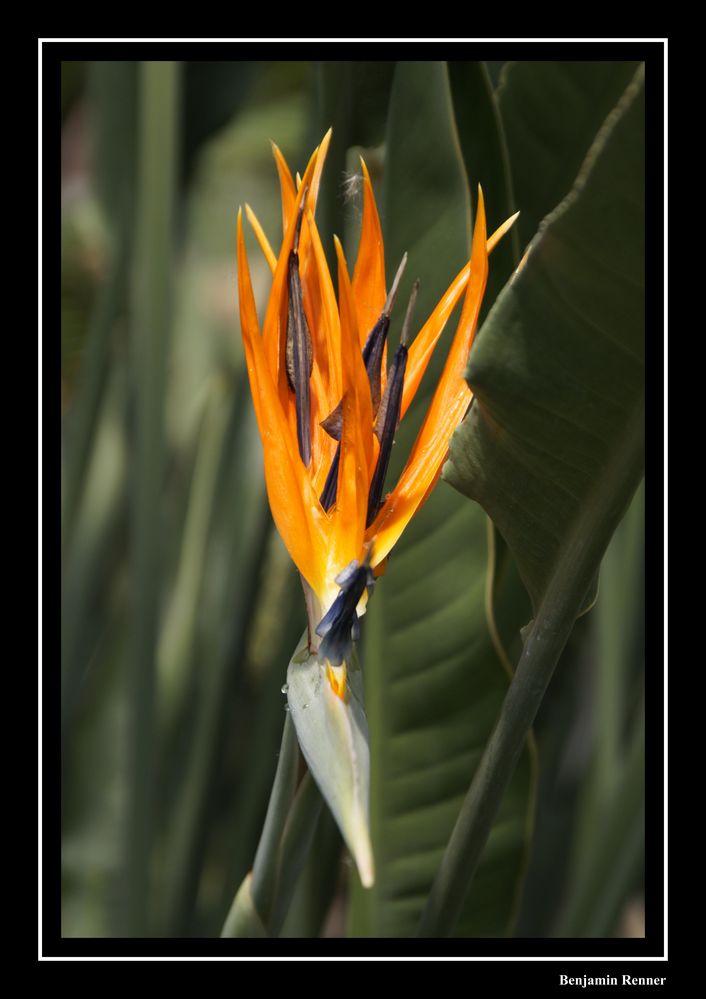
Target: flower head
x=328 y=407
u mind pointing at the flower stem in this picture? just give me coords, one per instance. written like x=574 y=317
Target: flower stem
x=262 y=902
x=159 y=88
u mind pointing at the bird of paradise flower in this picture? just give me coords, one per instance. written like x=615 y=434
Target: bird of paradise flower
x=327 y=408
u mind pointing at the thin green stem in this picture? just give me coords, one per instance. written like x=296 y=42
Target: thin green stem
x=159 y=87
x=226 y=657
x=266 y=864
x=262 y=902
x=176 y=641
x=82 y=419
x=296 y=842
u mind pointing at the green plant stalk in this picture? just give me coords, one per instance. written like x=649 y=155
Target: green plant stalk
x=242 y=919
x=317 y=884
x=265 y=866
x=252 y=791
x=188 y=824
x=545 y=642
x=191 y=808
x=178 y=652
x=263 y=899
x=532 y=750
x=253 y=903
x=159 y=87
x=297 y=839
x=176 y=641
x=82 y=419
x=85 y=576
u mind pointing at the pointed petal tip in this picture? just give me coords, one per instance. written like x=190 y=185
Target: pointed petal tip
x=367 y=876
x=407 y=322
x=262 y=239
x=277 y=152
x=362 y=851
x=501 y=231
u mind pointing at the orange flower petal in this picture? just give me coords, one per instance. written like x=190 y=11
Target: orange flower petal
x=315 y=182
x=356 y=437
x=261 y=238
x=424 y=343
x=275 y=329
x=322 y=544
x=422 y=347
x=248 y=315
x=369 y=272
x=297 y=513
x=327 y=389
x=447 y=408
x=500 y=231
x=312 y=197
x=288 y=191
x=327 y=335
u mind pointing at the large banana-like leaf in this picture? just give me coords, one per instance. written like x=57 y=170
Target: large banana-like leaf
x=551 y=112
x=558 y=370
x=554 y=444
x=433 y=680
x=487 y=161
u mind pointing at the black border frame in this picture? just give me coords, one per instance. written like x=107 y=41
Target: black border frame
x=600 y=957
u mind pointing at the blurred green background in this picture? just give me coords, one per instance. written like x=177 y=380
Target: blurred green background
x=180 y=607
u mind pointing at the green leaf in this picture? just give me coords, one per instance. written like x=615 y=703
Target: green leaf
x=557 y=369
x=352 y=99
x=551 y=112
x=297 y=840
x=214 y=92
x=243 y=920
x=265 y=866
x=114 y=110
x=263 y=899
x=333 y=736
x=487 y=162
x=433 y=680
x=159 y=96
x=317 y=885
x=426 y=197
x=554 y=446
x=607 y=853
x=611 y=863
x=182 y=652
x=82 y=420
